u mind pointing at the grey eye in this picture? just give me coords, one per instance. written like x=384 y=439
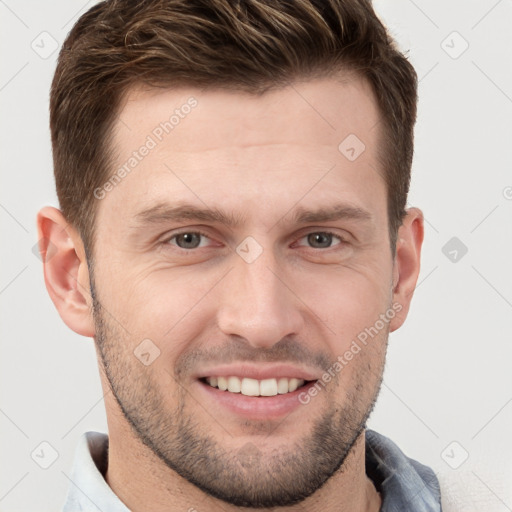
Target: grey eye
x=320 y=240
x=188 y=240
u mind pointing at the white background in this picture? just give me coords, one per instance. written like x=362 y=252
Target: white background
x=448 y=376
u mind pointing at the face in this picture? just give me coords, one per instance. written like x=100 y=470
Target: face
x=245 y=249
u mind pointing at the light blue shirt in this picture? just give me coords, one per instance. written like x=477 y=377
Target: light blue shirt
x=404 y=484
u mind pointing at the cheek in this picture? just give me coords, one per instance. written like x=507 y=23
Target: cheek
x=165 y=307
x=173 y=307
x=347 y=300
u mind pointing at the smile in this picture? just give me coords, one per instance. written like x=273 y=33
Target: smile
x=253 y=387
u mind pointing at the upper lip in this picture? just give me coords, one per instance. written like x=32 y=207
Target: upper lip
x=259 y=372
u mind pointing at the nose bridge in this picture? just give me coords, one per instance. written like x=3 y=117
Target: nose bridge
x=261 y=285
x=256 y=305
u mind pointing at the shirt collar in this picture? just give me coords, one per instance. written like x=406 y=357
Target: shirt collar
x=88 y=491
x=404 y=483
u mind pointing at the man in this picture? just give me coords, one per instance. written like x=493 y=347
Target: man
x=232 y=179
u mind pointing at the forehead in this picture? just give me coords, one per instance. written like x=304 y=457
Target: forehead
x=321 y=110
x=235 y=148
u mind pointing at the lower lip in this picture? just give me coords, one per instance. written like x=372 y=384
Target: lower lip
x=256 y=407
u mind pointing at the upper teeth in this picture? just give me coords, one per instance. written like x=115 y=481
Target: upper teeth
x=253 y=387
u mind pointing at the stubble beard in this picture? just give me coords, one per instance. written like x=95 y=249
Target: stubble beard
x=246 y=476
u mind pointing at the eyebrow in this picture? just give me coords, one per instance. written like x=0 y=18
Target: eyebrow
x=165 y=212
x=335 y=212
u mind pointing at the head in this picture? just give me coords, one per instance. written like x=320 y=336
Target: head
x=232 y=180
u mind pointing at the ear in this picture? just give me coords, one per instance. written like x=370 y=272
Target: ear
x=406 y=266
x=66 y=273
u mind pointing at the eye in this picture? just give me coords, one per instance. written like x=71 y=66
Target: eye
x=322 y=239
x=188 y=240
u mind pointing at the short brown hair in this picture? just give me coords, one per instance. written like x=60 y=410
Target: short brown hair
x=246 y=45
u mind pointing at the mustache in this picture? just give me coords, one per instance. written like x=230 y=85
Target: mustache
x=286 y=350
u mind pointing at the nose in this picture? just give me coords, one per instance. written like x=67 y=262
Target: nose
x=258 y=304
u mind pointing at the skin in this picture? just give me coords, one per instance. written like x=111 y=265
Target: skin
x=300 y=301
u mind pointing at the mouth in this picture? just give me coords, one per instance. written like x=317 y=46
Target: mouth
x=256 y=388
x=254 y=393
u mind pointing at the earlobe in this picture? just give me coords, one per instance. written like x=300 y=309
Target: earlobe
x=66 y=272
x=407 y=264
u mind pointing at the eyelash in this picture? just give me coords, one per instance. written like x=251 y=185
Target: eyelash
x=331 y=233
